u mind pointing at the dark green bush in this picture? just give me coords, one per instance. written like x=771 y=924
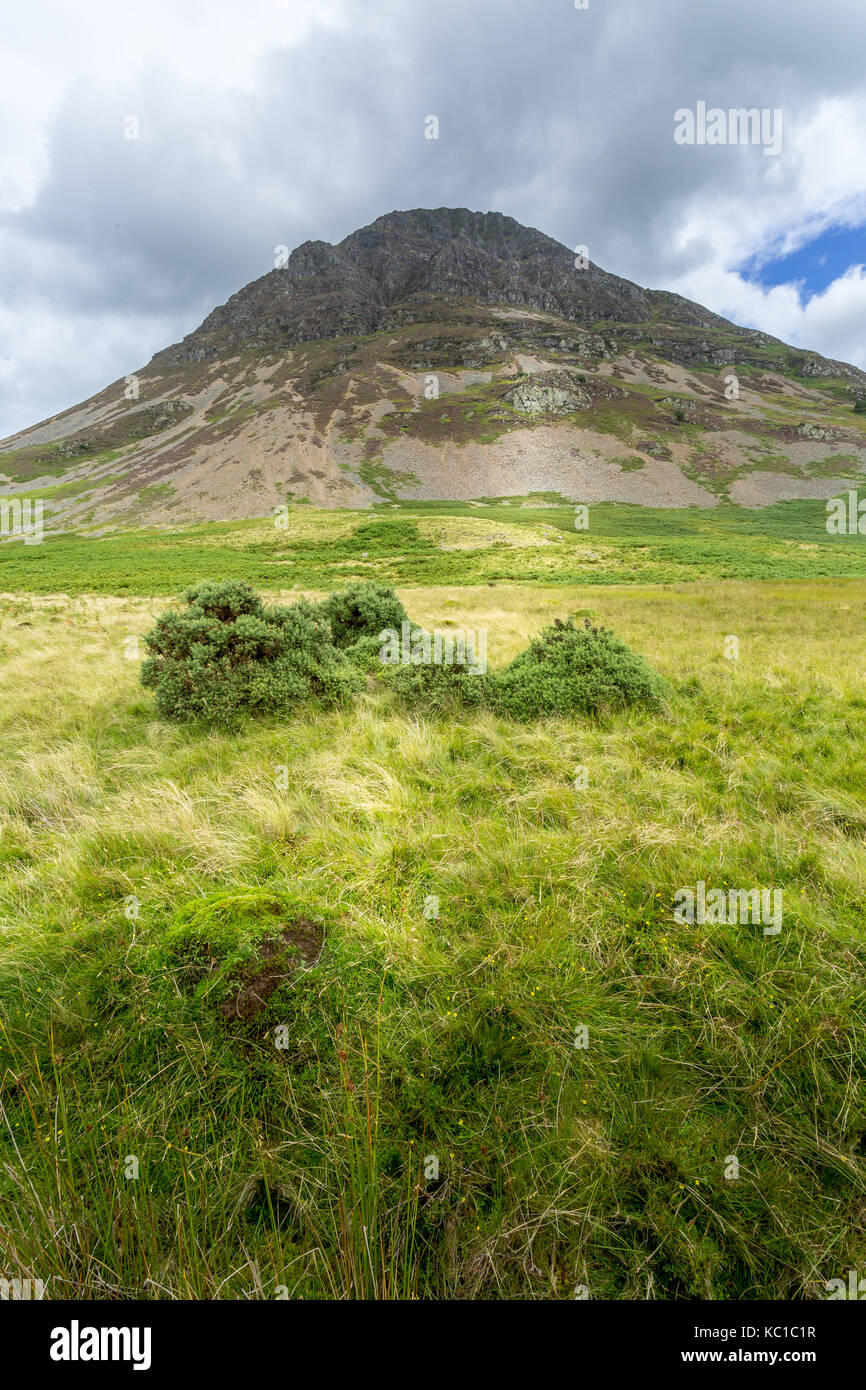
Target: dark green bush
x=439 y=684
x=573 y=670
x=227 y=654
x=362 y=610
x=365 y=653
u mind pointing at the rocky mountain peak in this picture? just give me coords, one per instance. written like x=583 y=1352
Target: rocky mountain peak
x=446 y=353
x=325 y=291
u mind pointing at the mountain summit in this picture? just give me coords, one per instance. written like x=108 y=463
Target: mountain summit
x=447 y=354
x=380 y=276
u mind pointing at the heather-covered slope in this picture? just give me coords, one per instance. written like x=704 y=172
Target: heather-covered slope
x=446 y=354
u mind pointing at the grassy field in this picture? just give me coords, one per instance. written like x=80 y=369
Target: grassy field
x=532 y=539
x=411 y=1115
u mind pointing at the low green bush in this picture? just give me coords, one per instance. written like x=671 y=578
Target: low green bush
x=227 y=654
x=362 y=610
x=365 y=653
x=571 y=670
x=439 y=684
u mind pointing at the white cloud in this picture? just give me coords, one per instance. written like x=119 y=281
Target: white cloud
x=822 y=184
x=832 y=322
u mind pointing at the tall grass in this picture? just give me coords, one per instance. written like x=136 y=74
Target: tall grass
x=299 y=1171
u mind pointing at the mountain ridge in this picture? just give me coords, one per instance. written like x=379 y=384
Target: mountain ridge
x=446 y=353
x=381 y=264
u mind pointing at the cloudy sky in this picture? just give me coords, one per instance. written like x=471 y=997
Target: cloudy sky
x=267 y=122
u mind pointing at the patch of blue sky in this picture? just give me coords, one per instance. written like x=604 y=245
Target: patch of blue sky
x=814 y=265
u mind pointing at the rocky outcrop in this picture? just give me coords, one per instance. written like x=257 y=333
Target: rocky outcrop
x=548 y=393
x=153 y=419
x=816 y=432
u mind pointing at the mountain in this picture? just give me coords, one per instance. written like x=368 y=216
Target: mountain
x=446 y=354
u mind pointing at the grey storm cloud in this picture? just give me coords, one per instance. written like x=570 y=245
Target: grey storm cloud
x=560 y=117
